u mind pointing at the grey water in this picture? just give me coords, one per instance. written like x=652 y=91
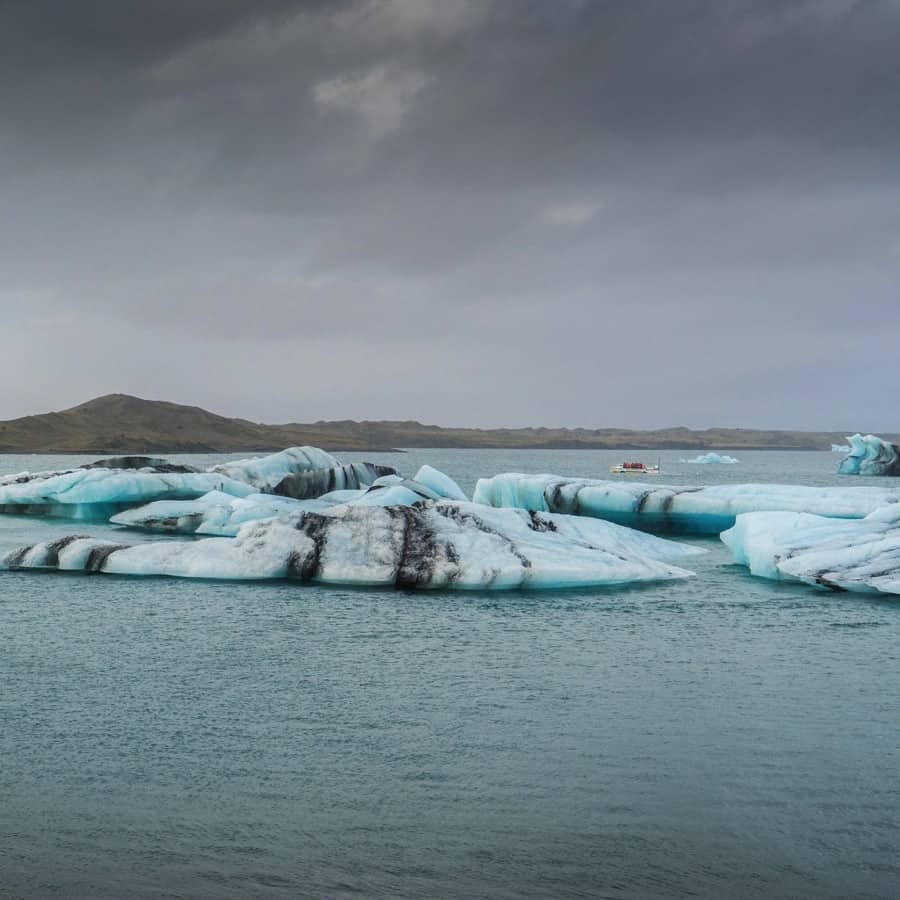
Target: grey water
x=723 y=737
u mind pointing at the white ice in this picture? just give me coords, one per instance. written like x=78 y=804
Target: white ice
x=220 y=514
x=214 y=513
x=870 y=455
x=675 y=509
x=438 y=544
x=853 y=555
x=712 y=459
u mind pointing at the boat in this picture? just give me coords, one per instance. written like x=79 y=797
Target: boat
x=634 y=468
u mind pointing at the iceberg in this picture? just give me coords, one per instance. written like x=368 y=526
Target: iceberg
x=850 y=555
x=98 y=490
x=840 y=448
x=435 y=544
x=442 y=485
x=214 y=513
x=314 y=483
x=870 y=455
x=265 y=472
x=220 y=514
x=675 y=509
x=711 y=459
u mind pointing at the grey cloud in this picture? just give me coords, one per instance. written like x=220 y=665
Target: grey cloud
x=464 y=211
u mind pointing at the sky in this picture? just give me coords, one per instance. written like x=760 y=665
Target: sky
x=636 y=213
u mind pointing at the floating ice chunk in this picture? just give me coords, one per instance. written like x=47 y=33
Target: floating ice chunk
x=265 y=472
x=214 y=514
x=840 y=448
x=712 y=459
x=98 y=490
x=441 y=484
x=443 y=544
x=305 y=485
x=686 y=510
x=870 y=455
x=852 y=555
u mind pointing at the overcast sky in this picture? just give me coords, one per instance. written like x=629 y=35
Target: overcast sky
x=475 y=212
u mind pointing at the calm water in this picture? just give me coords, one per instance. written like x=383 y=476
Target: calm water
x=728 y=737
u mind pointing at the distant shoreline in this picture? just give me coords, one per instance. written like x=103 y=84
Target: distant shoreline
x=122 y=424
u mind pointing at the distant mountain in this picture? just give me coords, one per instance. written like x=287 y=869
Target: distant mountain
x=118 y=423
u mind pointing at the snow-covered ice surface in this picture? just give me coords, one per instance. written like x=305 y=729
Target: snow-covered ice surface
x=855 y=555
x=870 y=455
x=675 y=509
x=442 y=544
x=97 y=490
x=712 y=459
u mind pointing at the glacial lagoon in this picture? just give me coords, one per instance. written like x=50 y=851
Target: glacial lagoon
x=722 y=736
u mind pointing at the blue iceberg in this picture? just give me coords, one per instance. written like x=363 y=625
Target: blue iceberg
x=96 y=491
x=434 y=544
x=870 y=455
x=264 y=473
x=712 y=459
x=850 y=555
x=671 y=509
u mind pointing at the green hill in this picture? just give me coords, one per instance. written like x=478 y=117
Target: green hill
x=118 y=423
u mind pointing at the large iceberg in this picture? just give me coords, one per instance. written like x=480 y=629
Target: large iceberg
x=870 y=455
x=98 y=490
x=671 y=509
x=712 y=459
x=442 y=544
x=855 y=555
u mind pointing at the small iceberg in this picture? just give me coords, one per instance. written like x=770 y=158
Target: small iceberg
x=315 y=482
x=858 y=555
x=711 y=459
x=870 y=455
x=265 y=472
x=434 y=544
x=674 y=509
x=840 y=448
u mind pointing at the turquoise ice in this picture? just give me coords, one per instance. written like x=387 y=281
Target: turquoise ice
x=675 y=509
x=870 y=455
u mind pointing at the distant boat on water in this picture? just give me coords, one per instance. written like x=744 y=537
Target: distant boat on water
x=634 y=468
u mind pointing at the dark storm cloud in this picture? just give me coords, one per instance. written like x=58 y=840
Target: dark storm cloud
x=460 y=210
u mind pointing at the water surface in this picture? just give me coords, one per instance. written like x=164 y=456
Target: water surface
x=725 y=737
